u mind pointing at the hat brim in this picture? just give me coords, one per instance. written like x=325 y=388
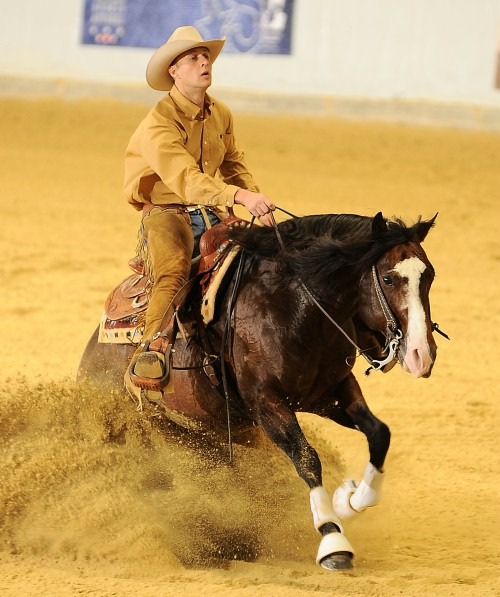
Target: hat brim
x=157 y=74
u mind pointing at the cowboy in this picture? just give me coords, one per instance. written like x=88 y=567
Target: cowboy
x=182 y=167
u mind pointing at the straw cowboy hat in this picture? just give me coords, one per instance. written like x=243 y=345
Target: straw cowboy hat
x=181 y=40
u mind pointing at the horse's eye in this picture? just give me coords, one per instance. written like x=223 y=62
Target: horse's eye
x=388 y=280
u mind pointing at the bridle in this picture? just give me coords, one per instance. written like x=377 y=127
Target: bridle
x=393 y=334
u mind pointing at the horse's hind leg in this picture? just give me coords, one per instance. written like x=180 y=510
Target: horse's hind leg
x=281 y=425
x=350 y=409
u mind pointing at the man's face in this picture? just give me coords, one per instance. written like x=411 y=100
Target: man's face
x=192 y=69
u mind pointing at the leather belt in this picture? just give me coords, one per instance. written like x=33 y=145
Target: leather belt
x=185 y=210
x=177 y=207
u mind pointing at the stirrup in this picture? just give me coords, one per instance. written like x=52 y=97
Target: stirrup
x=151 y=383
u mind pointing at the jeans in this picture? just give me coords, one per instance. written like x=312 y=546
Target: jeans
x=198 y=226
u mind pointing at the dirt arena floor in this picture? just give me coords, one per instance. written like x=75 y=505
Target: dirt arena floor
x=94 y=501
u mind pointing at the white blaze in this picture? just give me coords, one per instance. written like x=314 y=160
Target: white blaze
x=417 y=358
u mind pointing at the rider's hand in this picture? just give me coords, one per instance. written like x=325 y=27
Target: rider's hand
x=266 y=219
x=257 y=204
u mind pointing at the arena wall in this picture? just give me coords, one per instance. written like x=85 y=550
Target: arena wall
x=426 y=59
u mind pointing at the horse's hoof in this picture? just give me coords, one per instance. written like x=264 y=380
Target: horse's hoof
x=337 y=561
x=335 y=552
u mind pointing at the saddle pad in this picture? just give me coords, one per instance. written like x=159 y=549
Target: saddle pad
x=121 y=331
x=208 y=300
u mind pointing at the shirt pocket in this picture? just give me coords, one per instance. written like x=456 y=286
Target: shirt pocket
x=220 y=148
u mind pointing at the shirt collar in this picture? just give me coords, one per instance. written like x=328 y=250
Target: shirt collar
x=191 y=111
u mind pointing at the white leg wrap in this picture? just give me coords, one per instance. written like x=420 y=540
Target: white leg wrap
x=369 y=491
x=351 y=498
x=322 y=508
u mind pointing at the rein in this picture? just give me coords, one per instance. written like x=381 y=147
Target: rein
x=227 y=341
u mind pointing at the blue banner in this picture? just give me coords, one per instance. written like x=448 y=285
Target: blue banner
x=249 y=26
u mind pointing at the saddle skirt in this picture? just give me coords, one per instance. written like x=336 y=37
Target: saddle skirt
x=125 y=308
x=122 y=321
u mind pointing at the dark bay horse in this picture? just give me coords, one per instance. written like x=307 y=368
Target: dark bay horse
x=304 y=299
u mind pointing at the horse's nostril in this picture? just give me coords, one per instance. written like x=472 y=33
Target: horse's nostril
x=418 y=357
x=419 y=362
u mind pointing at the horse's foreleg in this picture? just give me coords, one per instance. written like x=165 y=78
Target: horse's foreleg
x=353 y=497
x=335 y=552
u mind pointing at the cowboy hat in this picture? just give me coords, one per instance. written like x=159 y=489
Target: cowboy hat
x=181 y=40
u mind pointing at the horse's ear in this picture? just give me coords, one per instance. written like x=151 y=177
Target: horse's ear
x=422 y=229
x=379 y=224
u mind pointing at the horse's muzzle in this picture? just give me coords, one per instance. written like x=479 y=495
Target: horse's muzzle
x=418 y=360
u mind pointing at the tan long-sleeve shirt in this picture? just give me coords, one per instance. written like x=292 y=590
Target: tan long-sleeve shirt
x=179 y=156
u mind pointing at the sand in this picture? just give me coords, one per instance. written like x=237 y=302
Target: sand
x=94 y=500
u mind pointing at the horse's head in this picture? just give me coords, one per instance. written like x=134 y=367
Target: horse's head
x=397 y=288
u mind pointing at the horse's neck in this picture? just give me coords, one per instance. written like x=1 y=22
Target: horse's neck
x=305 y=305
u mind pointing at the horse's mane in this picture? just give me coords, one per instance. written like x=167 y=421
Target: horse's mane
x=323 y=245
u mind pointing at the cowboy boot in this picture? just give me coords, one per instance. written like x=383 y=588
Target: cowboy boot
x=150 y=368
x=151 y=365
x=147 y=373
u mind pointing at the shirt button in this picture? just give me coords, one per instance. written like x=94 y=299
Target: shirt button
x=206 y=163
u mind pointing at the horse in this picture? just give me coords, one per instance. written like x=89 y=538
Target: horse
x=299 y=303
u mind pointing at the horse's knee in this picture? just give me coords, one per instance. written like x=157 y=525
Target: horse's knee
x=379 y=440
x=307 y=464
x=383 y=434
x=293 y=442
